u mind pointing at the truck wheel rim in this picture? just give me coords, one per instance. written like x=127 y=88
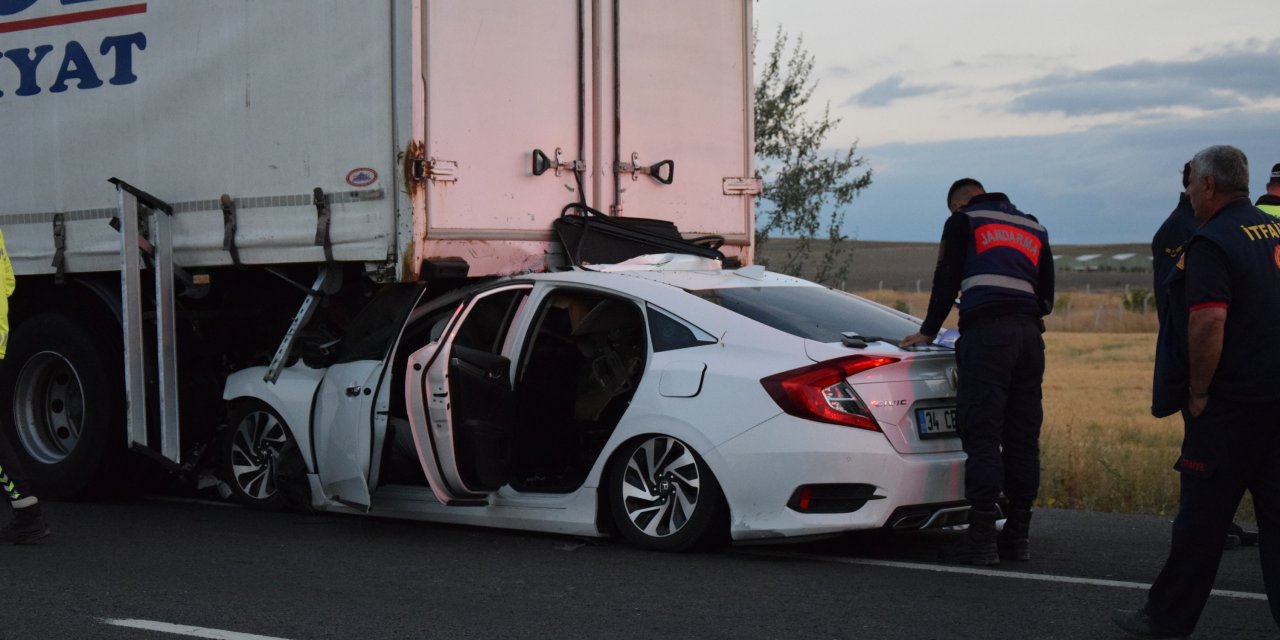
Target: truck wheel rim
x=48 y=408
x=255 y=446
x=660 y=487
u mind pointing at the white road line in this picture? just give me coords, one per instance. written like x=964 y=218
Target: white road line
x=184 y=630
x=974 y=571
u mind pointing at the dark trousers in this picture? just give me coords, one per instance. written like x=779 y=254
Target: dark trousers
x=12 y=481
x=1230 y=448
x=1001 y=364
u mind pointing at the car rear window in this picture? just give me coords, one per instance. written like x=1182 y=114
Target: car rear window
x=815 y=313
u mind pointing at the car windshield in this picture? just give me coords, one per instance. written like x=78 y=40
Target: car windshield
x=815 y=313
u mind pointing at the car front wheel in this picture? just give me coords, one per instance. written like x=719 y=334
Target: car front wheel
x=663 y=496
x=255 y=439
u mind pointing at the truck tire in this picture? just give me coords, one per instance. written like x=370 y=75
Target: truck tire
x=63 y=384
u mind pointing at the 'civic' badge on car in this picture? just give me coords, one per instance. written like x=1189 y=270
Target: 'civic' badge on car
x=888 y=403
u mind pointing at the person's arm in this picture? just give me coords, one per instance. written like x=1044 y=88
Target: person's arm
x=1046 y=279
x=947 y=274
x=1204 y=335
x=1209 y=297
x=7 y=281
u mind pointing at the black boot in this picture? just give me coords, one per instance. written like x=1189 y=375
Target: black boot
x=978 y=546
x=27 y=526
x=1013 y=540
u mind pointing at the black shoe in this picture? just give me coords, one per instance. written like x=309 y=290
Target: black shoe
x=978 y=546
x=27 y=527
x=1013 y=541
x=1140 y=625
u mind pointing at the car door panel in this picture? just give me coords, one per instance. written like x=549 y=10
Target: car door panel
x=343 y=438
x=458 y=393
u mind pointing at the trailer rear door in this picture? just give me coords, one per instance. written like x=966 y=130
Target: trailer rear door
x=685 y=99
x=600 y=87
x=501 y=81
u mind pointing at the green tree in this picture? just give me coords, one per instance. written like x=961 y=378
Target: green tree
x=801 y=180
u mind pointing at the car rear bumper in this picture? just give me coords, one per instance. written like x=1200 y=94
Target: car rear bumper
x=761 y=470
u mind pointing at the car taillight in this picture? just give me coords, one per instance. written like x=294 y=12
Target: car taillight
x=822 y=392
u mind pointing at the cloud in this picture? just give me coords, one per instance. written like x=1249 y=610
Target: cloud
x=1222 y=79
x=1099 y=97
x=885 y=92
x=1112 y=183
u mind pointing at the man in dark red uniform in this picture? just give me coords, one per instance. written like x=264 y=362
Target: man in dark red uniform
x=998 y=260
x=1226 y=292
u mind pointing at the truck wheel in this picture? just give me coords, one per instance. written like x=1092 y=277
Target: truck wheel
x=66 y=421
x=663 y=497
x=252 y=450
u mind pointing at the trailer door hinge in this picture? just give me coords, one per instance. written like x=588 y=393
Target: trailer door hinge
x=438 y=170
x=743 y=186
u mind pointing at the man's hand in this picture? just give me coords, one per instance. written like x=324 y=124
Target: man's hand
x=915 y=338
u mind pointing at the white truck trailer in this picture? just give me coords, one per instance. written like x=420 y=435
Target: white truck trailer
x=194 y=187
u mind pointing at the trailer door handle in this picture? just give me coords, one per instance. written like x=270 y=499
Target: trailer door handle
x=664 y=172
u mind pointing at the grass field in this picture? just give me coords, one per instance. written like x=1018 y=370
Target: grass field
x=1074 y=311
x=1100 y=447
x=908 y=266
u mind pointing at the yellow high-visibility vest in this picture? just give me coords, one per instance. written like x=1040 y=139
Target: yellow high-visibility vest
x=7 y=285
x=1273 y=209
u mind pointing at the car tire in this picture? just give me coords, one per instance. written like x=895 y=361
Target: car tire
x=663 y=496
x=253 y=446
x=64 y=389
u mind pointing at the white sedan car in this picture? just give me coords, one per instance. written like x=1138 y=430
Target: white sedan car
x=674 y=406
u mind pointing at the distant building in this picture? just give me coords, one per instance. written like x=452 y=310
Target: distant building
x=1103 y=262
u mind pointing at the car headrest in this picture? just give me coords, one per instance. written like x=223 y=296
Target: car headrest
x=606 y=316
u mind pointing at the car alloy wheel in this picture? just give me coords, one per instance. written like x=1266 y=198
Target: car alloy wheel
x=251 y=452
x=663 y=495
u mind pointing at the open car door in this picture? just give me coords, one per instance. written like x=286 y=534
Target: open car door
x=350 y=407
x=460 y=401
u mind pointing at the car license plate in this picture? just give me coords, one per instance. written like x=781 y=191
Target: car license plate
x=936 y=423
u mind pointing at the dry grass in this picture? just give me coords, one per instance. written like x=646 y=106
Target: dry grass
x=1073 y=311
x=1100 y=447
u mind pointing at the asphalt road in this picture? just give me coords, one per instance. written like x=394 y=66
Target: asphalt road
x=218 y=571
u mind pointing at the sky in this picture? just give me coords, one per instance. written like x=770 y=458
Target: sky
x=1082 y=111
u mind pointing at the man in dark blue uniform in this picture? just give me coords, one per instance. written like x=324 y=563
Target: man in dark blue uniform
x=1169 y=394
x=1167 y=244
x=998 y=260
x=1226 y=291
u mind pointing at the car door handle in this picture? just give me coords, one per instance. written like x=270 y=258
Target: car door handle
x=354 y=390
